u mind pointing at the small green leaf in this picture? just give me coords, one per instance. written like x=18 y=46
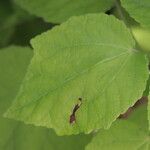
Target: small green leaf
x=17 y=136
x=95 y=61
x=131 y=134
x=59 y=11
x=139 y=10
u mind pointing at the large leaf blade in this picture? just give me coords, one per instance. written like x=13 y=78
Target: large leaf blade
x=59 y=11
x=72 y=62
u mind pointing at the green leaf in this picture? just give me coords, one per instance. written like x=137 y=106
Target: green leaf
x=17 y=136
x=13 y=66
x=139 y=10
x=4 y=13
x=10 y=16
x=142 y=36
x=31 y=28
x=54 y=11
x=131 y=134
x=7 y=21
x=95 y=61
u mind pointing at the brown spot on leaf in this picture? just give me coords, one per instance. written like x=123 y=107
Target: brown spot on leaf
x=73 y=115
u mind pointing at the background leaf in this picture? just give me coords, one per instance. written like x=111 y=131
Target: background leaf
x=10 y=16
x=59 y=11
x=131 y=134
x=17 y=136
x=96 y=61
x=7 y=21
x=148 y=107
x=142 y=36
x=17 y=27
x=28 y=29
x=139 y=10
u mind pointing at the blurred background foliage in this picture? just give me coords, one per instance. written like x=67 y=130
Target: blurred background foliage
x=17 y=26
